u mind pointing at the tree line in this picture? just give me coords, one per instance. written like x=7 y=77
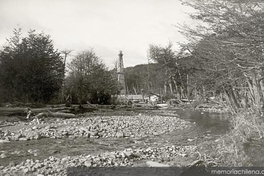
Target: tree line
x=223 y=56
x=33 y=71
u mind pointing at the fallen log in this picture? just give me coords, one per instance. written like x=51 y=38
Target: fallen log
x=55 y=114
x=18 y=111
x=12 y=111
x=49 y=114
x=91 y=105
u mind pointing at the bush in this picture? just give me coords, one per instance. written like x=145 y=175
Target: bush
x=227 y=151
x=239 y=147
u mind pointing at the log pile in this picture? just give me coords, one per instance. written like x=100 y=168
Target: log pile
x=48 y=111
x=49 y=114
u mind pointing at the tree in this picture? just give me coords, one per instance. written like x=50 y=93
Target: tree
x=66 y=53
x=31 y=70
x=89 y=80
x=176 y=73
x=229 y=48
x=149 y=77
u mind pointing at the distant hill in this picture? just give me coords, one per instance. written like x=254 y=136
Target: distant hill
x=149 y=77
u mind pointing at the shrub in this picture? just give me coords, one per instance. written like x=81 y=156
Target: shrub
x=238 y=147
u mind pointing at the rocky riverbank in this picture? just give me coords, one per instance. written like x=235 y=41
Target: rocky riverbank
x=94 y=127
x=135 y=126
x=129 y=157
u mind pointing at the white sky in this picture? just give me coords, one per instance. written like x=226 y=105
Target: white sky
x=107 y=26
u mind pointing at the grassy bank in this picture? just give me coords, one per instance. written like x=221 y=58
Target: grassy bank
x=242 y=146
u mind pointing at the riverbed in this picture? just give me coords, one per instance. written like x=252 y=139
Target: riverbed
x=196 y=127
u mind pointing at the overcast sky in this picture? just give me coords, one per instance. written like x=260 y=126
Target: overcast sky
x=107 y=26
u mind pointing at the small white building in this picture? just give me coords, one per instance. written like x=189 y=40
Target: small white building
x=139 y=98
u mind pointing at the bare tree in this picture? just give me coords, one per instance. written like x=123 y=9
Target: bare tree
x=66 y=52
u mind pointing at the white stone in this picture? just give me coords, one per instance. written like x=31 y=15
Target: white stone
x=3 y=141
x=156 y=164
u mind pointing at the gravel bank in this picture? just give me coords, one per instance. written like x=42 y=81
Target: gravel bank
x=95 y=127
x=137 y=126
x=128 y=157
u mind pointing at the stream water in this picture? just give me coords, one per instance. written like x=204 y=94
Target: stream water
x=206 y=126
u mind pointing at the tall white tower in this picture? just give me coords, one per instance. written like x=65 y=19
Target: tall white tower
x=121 y=74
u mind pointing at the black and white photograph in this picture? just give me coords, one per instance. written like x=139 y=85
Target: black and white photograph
x=131 y=87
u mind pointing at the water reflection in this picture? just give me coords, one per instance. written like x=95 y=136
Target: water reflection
x=216 y=123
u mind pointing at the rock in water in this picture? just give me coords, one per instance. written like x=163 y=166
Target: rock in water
x=156 y=164
x=23 y=139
